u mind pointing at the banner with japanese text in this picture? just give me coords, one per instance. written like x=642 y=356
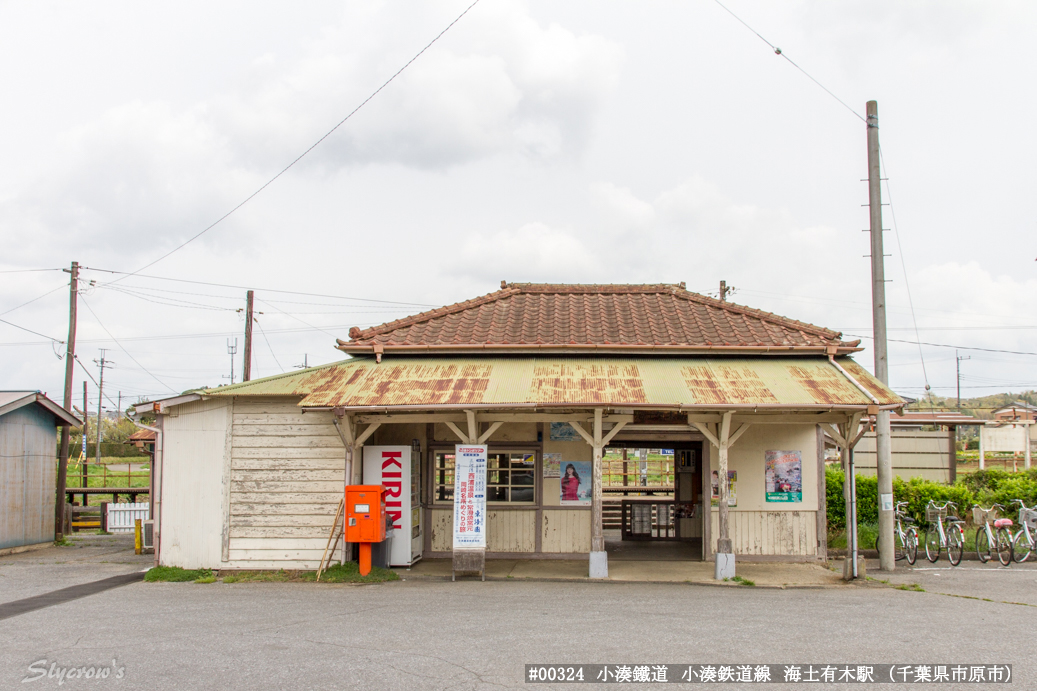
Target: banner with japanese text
x=470 y=496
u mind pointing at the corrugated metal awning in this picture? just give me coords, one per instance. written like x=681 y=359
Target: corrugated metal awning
x=794 y=383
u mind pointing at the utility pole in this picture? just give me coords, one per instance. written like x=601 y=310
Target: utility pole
x=232 y=350
x=70 y=365
x=883 y=450
x=86 y=435
x=724 y=290
x=957 y=364
x=100 y=399
x=246 y=369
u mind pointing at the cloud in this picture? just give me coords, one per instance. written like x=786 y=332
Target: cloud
x=145 y=176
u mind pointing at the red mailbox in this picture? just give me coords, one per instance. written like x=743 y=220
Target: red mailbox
x=365 y=519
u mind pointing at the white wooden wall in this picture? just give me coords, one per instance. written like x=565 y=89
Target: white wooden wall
x=193 y=473
x=566 y=531
x=770 y=533
x=287 y=477
x=506 y=530
x=914 y=454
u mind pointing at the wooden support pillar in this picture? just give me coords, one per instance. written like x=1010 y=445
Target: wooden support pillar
x=1026 y=447
x=952 y=452
x=598 y=558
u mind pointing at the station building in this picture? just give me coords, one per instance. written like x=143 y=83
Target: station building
x=559 y=381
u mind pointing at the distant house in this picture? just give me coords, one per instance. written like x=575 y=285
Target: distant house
x=1020 y=410
x=27 y=468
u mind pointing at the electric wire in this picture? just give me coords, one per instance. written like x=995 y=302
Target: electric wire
x=35 y=333
x=311 y=148
x=317 y=328
x=270 y=347
x=945 y=345
x=266 y=290
x=122 y=347
x=40 y=297
x=26 y=271
x=780 y=53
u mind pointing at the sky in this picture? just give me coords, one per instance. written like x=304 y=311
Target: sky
x=578 y=142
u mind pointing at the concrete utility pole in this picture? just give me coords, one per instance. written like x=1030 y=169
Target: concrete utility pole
x=86 y=435
x=100 y=399
x=958 y=359
x=70 y=365
x=232 y=350
x=246 y=368
x=883 y=450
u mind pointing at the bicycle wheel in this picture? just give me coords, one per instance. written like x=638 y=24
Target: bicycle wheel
x=1004 y=546
x=955 y=544
x=1022 y=548
x=982 y=545
x=932 y=544
x=911 y=545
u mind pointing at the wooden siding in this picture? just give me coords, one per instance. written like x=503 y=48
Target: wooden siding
x=914 y=454
x=193 y=492
x=507 y=530
x=771 y=533
x=287 y=473
x=27 y=464
x=566 y=531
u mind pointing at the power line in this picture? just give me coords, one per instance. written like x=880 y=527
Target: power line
x=944 y=345
x=311 y=148
x=35 y=333
x=778 y=51
x=270 y=347
x=26 y=271
x=266 y=290
x=40 y=297
x=122 y=347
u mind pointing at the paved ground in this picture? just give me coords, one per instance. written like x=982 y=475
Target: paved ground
x=472 y=635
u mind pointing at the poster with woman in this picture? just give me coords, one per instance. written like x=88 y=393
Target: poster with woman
x=783 y=475
x=732 y=487
x=575 y=483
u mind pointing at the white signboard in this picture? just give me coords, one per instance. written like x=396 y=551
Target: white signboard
x=390 y=466
x=470 y=496
x=1010 y=438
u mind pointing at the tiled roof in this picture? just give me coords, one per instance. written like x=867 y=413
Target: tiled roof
x=532 y=317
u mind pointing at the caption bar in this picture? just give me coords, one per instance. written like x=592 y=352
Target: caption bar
x=770 y=674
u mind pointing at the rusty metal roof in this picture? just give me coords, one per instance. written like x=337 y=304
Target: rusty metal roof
x=610 y=319
x=791 y=383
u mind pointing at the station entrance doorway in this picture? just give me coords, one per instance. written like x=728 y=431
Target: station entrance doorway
x=652 y=500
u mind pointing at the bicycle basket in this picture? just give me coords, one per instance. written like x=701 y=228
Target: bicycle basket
x=934 y=513
x=981 y=515
x=1029 y=517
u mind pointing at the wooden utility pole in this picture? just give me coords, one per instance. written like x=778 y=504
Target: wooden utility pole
x=70 y=366
x=246 y=370
x=723 y=291
x=883 y=451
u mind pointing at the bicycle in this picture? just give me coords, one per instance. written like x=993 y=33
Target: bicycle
x=985 y=536
x=937 y=538
x=905 y=542
x=1021 y=550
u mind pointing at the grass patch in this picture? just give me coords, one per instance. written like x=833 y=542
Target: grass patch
x=912 y=587
x=743 y=581
x=280 y=576
x=350 y=573
x=63 y=542
x=175 y=574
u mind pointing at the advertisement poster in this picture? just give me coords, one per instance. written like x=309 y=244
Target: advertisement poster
x=470 y=496
x=552 y=465
x=783 y=475
x=563 y=431
x=391 y=467
x=576 y=483
x=732 y=481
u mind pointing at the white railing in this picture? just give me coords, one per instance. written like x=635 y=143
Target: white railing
x=122 y=516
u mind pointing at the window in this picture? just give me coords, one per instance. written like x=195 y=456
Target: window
x=510 y=477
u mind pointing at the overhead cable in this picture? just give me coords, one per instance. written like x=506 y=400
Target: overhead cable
x=304 y=153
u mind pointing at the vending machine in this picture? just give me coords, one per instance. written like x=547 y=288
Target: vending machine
x=398 y=469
